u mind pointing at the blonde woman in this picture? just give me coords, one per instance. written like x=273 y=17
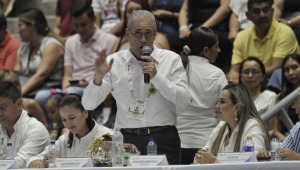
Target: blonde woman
x=239 y=118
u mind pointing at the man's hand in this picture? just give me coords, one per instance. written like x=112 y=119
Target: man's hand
x=102 y=67
x=148 y=66
x=288 y=154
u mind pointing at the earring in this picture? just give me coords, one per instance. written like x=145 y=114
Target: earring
x=235 y=116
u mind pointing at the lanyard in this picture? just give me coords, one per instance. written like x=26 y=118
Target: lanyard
x=130 y=82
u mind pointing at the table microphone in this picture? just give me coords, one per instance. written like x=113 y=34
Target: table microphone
x=146 y=50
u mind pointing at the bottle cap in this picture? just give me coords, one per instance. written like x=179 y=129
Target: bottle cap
x=249 y=137
x=151 y=139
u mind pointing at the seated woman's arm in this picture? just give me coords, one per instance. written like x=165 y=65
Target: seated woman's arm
x=220 y=14
x=50 y=57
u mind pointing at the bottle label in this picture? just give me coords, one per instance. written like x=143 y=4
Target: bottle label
x=248 y=148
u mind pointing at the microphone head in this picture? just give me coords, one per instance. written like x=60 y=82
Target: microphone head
x=146 y=50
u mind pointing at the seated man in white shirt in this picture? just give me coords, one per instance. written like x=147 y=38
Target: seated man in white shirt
x=27 y=135
x=145 y=109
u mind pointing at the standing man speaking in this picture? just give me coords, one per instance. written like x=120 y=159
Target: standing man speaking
x=144 y=110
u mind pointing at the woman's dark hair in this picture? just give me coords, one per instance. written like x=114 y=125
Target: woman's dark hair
x=36 y=16
x=199 y=38
x=262 y=68
x=287 y=87
x=74 y=100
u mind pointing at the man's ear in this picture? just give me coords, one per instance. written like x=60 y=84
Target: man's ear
x=19 y=103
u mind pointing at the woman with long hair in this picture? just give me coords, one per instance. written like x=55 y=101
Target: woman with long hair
x=239 y=119
x=40 y=56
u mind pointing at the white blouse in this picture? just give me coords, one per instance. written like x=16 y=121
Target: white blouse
x=79 y=147
x=252 y=128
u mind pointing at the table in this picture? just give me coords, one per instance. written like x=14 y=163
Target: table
x=268 y=165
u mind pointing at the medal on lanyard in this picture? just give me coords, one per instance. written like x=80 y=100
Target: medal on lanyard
x=152 y=89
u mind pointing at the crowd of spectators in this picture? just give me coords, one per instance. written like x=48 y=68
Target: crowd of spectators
x=216 y=66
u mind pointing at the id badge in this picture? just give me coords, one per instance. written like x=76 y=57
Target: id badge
x=137 y=108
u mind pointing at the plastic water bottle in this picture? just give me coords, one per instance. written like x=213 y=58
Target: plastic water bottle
x=117 y=149
x=151 y=147
x=9 y=153
x=248 y=144
x=275 y=146
x=52 y=154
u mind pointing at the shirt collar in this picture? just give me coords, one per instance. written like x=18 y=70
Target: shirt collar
x=21 y=118
x=155 y=55
x=94 y=37
x=89 y=136
x=270 y=32
x=199 y=59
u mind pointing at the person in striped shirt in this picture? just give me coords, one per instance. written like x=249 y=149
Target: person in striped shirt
x=290 y=147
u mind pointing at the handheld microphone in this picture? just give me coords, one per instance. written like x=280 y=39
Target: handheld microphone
x=146 y=50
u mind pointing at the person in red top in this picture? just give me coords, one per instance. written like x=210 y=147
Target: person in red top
x=63 y=26
x=8 y=46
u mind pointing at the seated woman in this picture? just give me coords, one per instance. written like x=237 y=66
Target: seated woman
x=160 y=40
x=40 y=56
x=252 y=74
x=81 y=130
x=30 y=105
x=239 y=120
x=290 y=82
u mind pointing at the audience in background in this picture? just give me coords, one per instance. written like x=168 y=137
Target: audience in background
x=63 y=25
x=27 y=135
x=213 y=14
x=81 y=131
x=289 y=14
x=108 y=13
x=30 y=105
x=252 y=74
x=40 y=57
x=13 y=8
x=160 y=40
x=238 y=20
x=290 y=82
x=267 y=40
x=52 y=107
x=8 y=46
x=166 y=13
x=205 y=82
x=239 y=120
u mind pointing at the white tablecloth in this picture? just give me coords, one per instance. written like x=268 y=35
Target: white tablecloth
x=282 y=165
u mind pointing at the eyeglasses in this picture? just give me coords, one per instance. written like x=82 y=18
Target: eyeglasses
x=139 y=34
x=253 y=72
x=257 y=11
x=290 y=68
